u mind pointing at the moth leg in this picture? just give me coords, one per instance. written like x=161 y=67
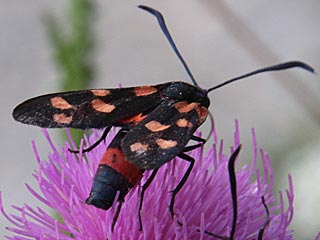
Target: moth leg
x=182 y=181
x=144 y=188
x=266 y=223
x=192 y=147
x=198 y=139
x=116 y=215
x=233 y=187
x=103 y=137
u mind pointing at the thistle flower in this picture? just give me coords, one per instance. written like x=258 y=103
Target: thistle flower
x=203 y=204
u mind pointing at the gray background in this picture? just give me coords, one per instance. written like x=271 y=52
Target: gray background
x=218 y=40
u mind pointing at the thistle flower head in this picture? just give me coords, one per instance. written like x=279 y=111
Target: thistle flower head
x=203 y=204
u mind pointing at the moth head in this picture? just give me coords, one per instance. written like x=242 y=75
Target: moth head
x=181 y=91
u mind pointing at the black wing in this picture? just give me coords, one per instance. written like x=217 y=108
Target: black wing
x=96 y=108
x=163 y=134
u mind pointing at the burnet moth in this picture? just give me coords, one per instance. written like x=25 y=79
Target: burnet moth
x=156 y=122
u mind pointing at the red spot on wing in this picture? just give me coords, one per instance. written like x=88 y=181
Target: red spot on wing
x=139 y=148
x=182 y=122
x=144 y=90
x=100 y=92
x=203 y=113
x=166 y=144
x=114 y=158
x=185 y=107
x=60 y=103
x=62 y=118
x=155 y=126
x=101 y=106
x=134 y=119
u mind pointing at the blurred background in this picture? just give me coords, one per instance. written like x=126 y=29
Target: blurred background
x=112 y=42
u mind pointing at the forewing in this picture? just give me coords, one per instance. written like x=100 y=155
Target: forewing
x=96 y=108
x=163 y=134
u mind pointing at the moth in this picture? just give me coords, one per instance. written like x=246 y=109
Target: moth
x=156 y=122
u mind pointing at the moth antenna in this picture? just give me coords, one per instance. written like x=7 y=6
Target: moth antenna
x=277 y=67
x=165 y=31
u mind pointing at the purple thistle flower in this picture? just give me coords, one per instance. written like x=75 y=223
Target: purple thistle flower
x=204 y=203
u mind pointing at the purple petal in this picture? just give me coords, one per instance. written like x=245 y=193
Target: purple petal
x=203 y=204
